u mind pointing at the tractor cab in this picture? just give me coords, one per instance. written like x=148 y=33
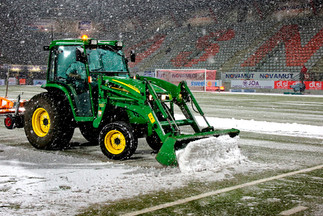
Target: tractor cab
x=75 y=65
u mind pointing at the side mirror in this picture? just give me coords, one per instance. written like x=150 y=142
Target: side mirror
x=132 y=56
x=80 y=55
x=46 y=48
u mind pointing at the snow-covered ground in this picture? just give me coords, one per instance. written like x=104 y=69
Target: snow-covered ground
x=34 y=182
x=42 y=183
x=274 y=128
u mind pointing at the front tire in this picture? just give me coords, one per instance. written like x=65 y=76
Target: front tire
x=48 y=122
x=154 y=142
x=117 y=141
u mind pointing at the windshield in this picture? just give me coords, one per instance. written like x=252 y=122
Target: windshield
x=106 y=60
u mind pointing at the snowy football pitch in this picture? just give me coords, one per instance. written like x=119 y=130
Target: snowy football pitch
x=280 y=134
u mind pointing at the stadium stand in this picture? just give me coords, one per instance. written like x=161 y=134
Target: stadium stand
x=259 y=46
x=218 y=37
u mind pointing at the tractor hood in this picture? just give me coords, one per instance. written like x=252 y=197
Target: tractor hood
x=130 y=86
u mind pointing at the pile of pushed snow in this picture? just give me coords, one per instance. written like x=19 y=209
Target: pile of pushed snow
x=210 y=154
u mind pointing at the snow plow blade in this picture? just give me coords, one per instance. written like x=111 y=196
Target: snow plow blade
x=167 y=156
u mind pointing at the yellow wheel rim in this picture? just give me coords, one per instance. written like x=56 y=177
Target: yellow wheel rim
x=115 y=142
x=41 y=122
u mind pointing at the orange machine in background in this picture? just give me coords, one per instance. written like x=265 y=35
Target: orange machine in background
x=13 y=109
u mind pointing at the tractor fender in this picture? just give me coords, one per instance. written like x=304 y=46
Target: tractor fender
x=59 y=91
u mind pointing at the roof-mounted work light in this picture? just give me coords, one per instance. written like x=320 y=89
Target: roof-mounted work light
x=84 y=37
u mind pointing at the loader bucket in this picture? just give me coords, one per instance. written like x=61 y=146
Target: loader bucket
x=167 y=156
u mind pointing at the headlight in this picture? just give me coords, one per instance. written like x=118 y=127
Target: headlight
x=94 y=42
x=119 y=44
x=161 y=97
x=100 y=113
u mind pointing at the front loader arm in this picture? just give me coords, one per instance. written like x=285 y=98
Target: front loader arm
x=186 y=93
x=181 y=96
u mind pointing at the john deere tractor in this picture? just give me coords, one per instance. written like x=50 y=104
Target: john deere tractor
x=89 y=86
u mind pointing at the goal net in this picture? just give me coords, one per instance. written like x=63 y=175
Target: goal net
x=197 y=79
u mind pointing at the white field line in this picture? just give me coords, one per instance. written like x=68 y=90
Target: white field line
x=224 y=190
x=293 y=210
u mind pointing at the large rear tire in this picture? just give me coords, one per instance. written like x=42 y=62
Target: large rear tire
x=117 y=141
x=48 y=122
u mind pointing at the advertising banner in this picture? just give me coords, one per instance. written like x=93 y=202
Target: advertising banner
x=284 y=84
x=42 y=25
x=253 y=84
x=39 y=82
x=31 y=68
x=22 y=81
x=314 y=85
x=149 y=73
x=199 y=83
x=12 y=81
x=309 y=85
x=85 y=25
x=259 y=76
x=176 y=76
x=199 y=76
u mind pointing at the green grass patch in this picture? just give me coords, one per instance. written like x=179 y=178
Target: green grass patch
x=268 y=198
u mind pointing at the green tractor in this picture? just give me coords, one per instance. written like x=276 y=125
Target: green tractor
x=89 y=86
